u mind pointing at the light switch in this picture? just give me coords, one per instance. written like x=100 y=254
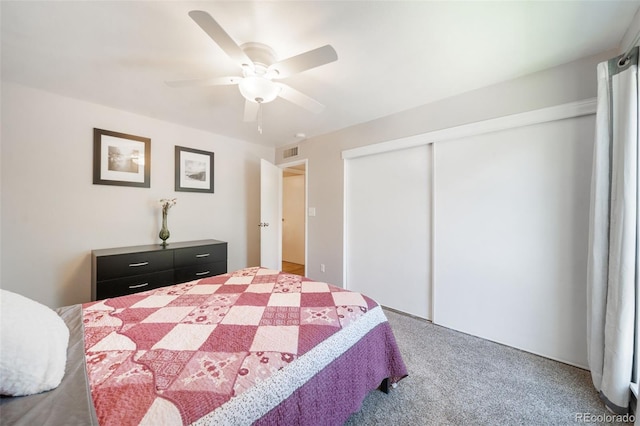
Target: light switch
x=312 y=211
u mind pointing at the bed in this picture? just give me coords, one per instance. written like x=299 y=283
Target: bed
x=254 y=346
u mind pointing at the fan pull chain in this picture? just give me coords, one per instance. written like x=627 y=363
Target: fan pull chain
x=260 y=117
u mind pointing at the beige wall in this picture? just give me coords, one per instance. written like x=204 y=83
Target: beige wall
x=567 y=83
x=53 y=216
x=293 y=215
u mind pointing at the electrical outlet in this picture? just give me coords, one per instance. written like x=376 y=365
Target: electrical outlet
x=322 y=268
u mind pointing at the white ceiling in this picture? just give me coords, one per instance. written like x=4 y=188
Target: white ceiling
x=392 y=55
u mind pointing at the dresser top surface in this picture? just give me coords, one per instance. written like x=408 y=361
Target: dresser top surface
x=154 y=247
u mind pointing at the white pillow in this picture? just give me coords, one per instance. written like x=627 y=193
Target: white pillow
x=33 y=346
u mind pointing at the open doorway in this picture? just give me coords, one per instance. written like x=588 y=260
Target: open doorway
x=294 y=226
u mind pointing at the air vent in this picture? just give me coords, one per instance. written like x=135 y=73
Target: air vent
x=291 y=152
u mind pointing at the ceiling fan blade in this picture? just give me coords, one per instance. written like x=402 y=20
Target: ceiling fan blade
x=216 y=81
x=304 y=61
x=251 y=111
x=220 y=36
x=300 y=99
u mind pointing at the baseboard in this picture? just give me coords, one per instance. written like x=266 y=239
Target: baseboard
x=386 y=308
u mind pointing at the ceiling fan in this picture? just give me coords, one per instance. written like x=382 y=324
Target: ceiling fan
x=260 y=70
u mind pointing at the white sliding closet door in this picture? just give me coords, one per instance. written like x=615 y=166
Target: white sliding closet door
x=511 y=232
x=388 y=228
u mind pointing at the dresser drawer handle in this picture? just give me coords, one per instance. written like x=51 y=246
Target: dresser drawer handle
x=139 y=285
x=203 y=255
x=202 y=273
x=133 y=265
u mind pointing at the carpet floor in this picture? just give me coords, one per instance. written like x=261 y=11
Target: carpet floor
x=458 y=379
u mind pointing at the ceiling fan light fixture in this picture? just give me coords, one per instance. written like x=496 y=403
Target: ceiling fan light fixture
x=258 y=89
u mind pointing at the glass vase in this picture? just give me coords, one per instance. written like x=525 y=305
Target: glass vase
x=164 y=231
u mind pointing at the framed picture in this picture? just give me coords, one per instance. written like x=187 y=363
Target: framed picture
x=194 y=170
x=121 y=159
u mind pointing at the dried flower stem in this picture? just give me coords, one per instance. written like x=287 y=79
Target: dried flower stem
x=167 y=204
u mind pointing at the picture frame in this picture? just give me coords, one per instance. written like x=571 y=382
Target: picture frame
x=121 y=159
x=194 y=170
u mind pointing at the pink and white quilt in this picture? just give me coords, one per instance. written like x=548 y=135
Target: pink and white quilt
x=240 y=348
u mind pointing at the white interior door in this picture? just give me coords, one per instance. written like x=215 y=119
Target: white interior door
x=270 y=216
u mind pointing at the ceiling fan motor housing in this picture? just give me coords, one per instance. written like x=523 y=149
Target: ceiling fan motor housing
x=260 y=54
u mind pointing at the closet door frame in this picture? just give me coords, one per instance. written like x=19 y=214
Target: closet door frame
x=558 y=112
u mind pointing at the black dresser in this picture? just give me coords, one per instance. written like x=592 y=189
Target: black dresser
x=126 y=270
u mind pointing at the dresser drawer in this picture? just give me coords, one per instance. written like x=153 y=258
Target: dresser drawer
x=196 y=272
x=200 y=255
x=133 y=284
x=125 y=265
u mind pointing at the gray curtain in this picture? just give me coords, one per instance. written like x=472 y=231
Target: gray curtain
x=614 y=230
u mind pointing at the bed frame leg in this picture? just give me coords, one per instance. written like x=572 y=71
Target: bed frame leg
x=384 y=386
